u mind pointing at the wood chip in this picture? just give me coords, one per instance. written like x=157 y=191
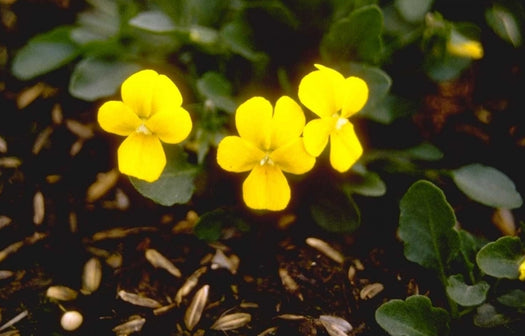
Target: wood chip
x=371 y=290
x=189 y=284
x=104 y=183
x=326 y=249
x=61 y=293
x=194 y=312
x=138 y=300
x=335 y=326
x=160 y=261
x=289 y=283
x=132 y=326
x=38 y=208
x=231 y=321
x=91 y=276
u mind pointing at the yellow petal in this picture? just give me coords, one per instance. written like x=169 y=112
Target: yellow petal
x=253 y=119
x=288 y=122
x=266 y=188
x=170 y=125
x=356 y=96
x=238 y=155
x=293 y=158
x=522 y=271
x=322 y=91
x=316 y=134
x=345 y=148
x=137 y=91
x=142 y=156
x=115 y=117
x=166 y=95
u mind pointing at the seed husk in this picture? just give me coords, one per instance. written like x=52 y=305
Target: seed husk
x=289 y=283
x=38 y=208
x=138 y=300
x=160 y=261
x=194 y=312
x=92 y=276
x=189 y=284
x=371 y=290
x=104 y=183
x=326 y=249
x=129 y=327
x=71 y=320
x=14 y=320
x=61 y=293
x=231 y=321
x=220 y=259
x=335 y=326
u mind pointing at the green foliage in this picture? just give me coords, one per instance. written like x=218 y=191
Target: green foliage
x=335 y=211
x=413 y=317
x=504 y=22
x=464 y=294
x=501 y=258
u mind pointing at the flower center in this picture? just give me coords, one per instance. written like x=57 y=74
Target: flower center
x=340 y=123
x=143 y=129
x=266 y=160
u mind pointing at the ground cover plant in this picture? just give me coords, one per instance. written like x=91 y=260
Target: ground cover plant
x=286 y=167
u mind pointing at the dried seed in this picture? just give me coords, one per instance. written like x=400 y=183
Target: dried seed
x=27 y=96
x=231 y=321
x=38 y=208
x=158 y=260
x=358 y=264
x=351 y=273
x=196 y=307
x=138 y=300
x=326 y=249
x=42 y=139
x=371 y=290
x=11 y=333
x=269 y=331
x=292 y=317
x=71 y=320
x=3 y=145
x=164 y=309
x=79 y=129
x=104 y=183
x=231 y=263
x=289 y=283
x=504 y=221
x=14 y=320
x=4 y=221
x=92 y=276
x=61 y=293
x=189 y=284
x=114 y=260
x=18 y=245
x=56 y=114
x=132 y=326
x=335 y=326
x=4 y=274
x=117 y=233
x=10 y=162
x=76 y=147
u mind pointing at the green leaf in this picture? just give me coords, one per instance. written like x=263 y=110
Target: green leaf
x=364 y=182
x=205 y=12
x=215 y=87
x=211 y=224
x=469 y=246
x=413 y=10
x=176 y=183
x=487 y=317
x=238 y=37
x=44 y=53
x=487 y=186
x=335 y=212
x=504 y=23
x=502 y=258
x=426 y=226
x=355 y=37
x=153 y=21
x=413 y=317
x=464 y=294
x=95 y=78
x=445 y=67
x=514 y=298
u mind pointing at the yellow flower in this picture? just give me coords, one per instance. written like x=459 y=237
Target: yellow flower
x=461 y=46
x=269 y=143
x=334 y=99
x=150 y=112
x=522 y=271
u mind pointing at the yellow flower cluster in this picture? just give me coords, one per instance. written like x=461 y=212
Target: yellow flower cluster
x=271 y=140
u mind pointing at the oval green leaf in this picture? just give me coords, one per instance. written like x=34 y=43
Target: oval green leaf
x=464 y=294
x=215 y=87
x=413 y=10
x=153 y=21
x=487 y=186
x=504 y=23
x=514 y=298
x=413 y=317
x=426 y=226
x=95 y=78
x=335 y=212
x=502 y=258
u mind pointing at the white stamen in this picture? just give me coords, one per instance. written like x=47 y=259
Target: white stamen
x=340 y=123
x=266 y=160
x=143 y=129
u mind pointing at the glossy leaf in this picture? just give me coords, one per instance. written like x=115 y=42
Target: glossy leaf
x=426 y=226
x=95 y=78
x=413 y=317
x=487 y=186
x=501 y=258
x=238 y=37
x=215 y=87
x=355 y=37
x=176 y=183
x=464 y=294
x=154 y=21
x=413 y=10
x=364 y=182
x=44 y=53
x=504 y=23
